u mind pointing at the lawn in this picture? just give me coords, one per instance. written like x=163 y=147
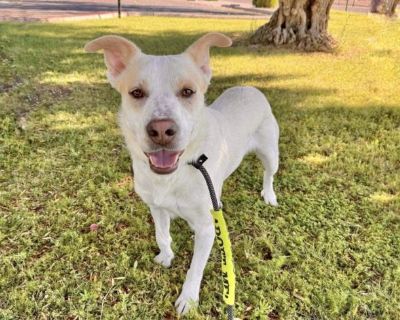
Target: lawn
x=331 y=250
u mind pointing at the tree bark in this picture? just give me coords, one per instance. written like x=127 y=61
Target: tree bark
x=391 y=7
x=298 y=23
x=375 y=6
x=387 y=7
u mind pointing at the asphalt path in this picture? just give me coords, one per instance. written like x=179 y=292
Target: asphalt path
x=59 y=10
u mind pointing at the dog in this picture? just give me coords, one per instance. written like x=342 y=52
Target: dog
x=166 y=125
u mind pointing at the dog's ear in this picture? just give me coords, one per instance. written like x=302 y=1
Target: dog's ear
x=117 y=52
x=199 y=51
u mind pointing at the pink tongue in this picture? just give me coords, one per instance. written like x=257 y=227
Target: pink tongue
x=163 y=159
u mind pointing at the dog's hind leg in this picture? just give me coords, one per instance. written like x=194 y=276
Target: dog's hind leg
x=267 y=150
x=162 y=222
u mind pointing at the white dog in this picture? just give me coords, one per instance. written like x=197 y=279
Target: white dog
x=166 y=125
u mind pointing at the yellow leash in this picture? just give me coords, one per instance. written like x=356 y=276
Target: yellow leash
x=224 y=243
x=227 y=266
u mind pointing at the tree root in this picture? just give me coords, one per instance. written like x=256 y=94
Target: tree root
x=299 y=24
x=307 y=41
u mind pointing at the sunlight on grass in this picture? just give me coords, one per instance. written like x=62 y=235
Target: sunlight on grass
x=329 y=251
x=61 y=78
x=69 y=121
x=63 y=121
x=315 y=159
x=383 y=197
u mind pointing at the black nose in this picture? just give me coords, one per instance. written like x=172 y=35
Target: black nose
x=162 y=132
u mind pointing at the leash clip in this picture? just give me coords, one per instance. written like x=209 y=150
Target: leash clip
x=199 y=162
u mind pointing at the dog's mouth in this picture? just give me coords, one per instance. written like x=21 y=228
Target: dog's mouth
x=164 y=161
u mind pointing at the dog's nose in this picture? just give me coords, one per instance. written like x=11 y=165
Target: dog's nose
x=162 y=132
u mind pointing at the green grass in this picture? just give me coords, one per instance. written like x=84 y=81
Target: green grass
x=331 y=250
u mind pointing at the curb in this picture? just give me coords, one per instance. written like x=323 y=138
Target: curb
x=110 y=15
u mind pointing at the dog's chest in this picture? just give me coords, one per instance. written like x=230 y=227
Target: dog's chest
x=181 y=196
x=163 y=193
x=163 y=196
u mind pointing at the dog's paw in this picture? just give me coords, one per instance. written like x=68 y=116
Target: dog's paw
x=164 y=259
x=269 y=197
x=185 y=302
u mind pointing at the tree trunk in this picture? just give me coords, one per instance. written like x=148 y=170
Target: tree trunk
x=376 y=6
x=298 y=23
x=387 y=7
x=391 y=7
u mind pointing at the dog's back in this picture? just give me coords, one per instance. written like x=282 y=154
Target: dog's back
x=243 y=115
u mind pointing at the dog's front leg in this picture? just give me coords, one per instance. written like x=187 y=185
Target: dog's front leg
x=203 y=242
x=162 y=222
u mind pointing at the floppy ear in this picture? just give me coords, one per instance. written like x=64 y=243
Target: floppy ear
x=199 y=51
x=117 y=52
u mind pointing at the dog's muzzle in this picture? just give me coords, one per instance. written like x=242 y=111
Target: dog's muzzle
x=162 y=133
x=164 y=161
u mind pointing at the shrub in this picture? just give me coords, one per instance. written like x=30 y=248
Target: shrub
x=265 y=3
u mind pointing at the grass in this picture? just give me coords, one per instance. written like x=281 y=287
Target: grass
x=331 y=250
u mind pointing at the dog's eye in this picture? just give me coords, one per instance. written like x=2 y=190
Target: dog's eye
x=137 y=93
x=186 y=92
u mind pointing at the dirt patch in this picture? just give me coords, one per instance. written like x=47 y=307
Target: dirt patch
x=46 y=94
x=10 y=86
x=43 y=96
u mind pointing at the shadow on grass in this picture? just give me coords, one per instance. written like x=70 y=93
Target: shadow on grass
x=36 y=52
x=59 y=49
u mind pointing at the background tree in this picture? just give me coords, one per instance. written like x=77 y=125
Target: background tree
x=299 y=23
x=375 y=6
x=391 y=7
x=387 y=7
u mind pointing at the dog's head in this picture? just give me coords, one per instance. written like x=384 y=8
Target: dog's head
x=161 y=95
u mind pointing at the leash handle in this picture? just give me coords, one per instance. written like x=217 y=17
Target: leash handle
x=224 y=243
